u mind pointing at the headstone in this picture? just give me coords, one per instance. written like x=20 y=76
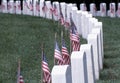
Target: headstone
x=61 y=74
x=90 y=63
x=78 y=21
x=55 y=12
x=43 y=9
x=118 y=10
x=4 y=6
x=68 y=11
x=30 y=6
x=101 y=29
x=36 y=8
x=63 y=7
x=93 y=40
x=112 y=10
x=103 y=9
x=83 y=7
x=18 y=7
x=25 y=7
x=93 y=9
x=11 y=5
x=73 y=12
x=98 y=32
x=49 y=10
x=79 y=67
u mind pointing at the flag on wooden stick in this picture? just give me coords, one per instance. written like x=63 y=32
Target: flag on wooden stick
x=46 y=71
x=65 y=54
x=19 y=76
x=57 y=55
x=74 y=37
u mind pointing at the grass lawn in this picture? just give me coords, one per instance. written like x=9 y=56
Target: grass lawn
x=111 y=71
x=21 y=37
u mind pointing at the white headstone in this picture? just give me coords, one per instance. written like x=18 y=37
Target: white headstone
x=74 y=17
x=83 y=7
x=98 y=32
x=25 y=7
x=112 y=9
x=30 y=6
x=68 y=11
x=61 y=74
x=43 y=9
x=93 y=40
x=49 y=10
x=11 y=7
x=4 y=6
x=36 y=8
x=118 y=10
x=103 y=9
x=63 y=9
x=93 y=9
x=78 y=21
x=18 y=7
x=55 y=12
x=90 y=63
x=79 y=67
x=101 y=29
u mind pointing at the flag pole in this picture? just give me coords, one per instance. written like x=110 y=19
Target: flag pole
x=18 y=71
x=54 y=46
x=41 y=64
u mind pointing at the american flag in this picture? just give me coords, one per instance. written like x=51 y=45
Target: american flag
x=65 y=54
x=19 y=76
x=9 y=6
x=46 y=70
x=26 y=4
x=85 y=8
x=31 y=6
x=55 y=12
x=74 y=37
x=37 y=6
x=19 y=6
x=44 y=8
x=103 y=8
x=61 y=17
x=112 y=8
x=57 y=54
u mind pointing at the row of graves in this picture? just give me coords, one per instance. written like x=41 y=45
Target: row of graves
x=86 y=60
x=43 y=8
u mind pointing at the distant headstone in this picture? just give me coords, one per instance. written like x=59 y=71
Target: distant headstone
x=4 y=6
x=49 y=10
x=83 y=7
x=103 y=9
x=112 y=10
x=93 y=9
x=18 y=7
x=118 y=10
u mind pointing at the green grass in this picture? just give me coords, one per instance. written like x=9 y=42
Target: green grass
x=21 y=37
x=111 y=71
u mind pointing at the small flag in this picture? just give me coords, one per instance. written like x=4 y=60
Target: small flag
x=19 y=76
x=65 y=54
x=57 y=54
x=46 y=70
x=74 y=37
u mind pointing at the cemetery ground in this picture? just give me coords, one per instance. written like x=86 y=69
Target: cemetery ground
x=21 y=38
